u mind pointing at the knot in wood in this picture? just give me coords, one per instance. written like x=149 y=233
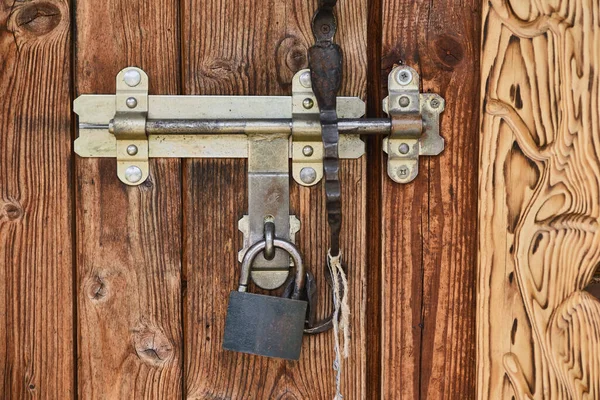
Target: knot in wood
x=449 y=51
x=13 y=211
x=97 y=289
x=152 y=346
x=37 y=18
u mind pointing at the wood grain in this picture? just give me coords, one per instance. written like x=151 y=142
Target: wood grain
x=428 y=226
x=36 y=299
x=538 y=331
x=128 y=238
x=373 y=210
x=255 y=48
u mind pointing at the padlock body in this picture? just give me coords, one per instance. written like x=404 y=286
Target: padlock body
x=264 y=325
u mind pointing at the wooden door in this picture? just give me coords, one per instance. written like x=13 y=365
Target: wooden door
x=109 y=291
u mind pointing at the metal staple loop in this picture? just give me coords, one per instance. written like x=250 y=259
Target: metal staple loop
x=269 y=238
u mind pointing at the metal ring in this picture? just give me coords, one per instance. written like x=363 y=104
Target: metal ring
x=269 y=252
x=291 y=249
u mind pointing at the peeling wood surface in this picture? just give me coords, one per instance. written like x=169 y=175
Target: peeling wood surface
x=129 y=244
x=36 y=299
x=256 y=48
x=538 y=330
x=428 y=233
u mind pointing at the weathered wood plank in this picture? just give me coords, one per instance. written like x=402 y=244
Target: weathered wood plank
x=36 y=300
x=128 y=238
x=538 y=331
x=428 y=226
x=255 y=48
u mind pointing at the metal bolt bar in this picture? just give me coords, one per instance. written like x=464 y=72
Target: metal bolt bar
x=362 y=126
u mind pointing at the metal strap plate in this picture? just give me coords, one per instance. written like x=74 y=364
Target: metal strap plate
x=415 y=124
x=94 y=110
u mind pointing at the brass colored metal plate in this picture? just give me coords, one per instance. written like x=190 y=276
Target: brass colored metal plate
x=100 y=109
x=406 y=144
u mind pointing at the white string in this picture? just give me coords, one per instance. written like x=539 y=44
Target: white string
x=339 y=282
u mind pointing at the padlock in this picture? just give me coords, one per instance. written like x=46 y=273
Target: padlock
x=266 y=325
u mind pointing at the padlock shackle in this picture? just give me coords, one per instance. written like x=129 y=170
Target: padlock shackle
x=257 y=248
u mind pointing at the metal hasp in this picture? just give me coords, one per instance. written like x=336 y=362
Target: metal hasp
x=133 y=126
x=415 y=129
x=269 y=198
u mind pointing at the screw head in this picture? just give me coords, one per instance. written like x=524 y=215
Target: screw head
x=404 y=77
x=308 y=175
x=403 y=148
x=404 y=101
x=132 y=77
x=133 y=174
x=403 y=172
x=131 y=102
x=308 y=103
x=305 y=79
x=307 y=151
x=435 y=103
x=132 y=149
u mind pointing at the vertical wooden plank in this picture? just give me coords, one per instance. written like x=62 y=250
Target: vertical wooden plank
x=36 y=299
x=128 y=238
x=538 y=330
x=375 y=77
x=255 y=48
x=428 y=225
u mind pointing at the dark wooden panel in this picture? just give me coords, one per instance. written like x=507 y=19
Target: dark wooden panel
x=255 y=48
x=36 y=299
x=375 y=77
x=429 y=250
x=128 y=238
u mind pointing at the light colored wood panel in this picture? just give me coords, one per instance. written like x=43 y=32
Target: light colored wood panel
x=128 y=238
x=538 y=331
x=429 y=250
x=255 y=49
x=36 y=299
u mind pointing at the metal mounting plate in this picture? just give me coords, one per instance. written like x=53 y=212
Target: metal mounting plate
x=94 y=110
x=307 y=145
x=404 y=146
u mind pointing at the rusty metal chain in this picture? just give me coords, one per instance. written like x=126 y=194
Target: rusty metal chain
x=325 y=62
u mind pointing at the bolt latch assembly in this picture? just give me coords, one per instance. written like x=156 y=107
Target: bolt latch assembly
x=133 y=126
